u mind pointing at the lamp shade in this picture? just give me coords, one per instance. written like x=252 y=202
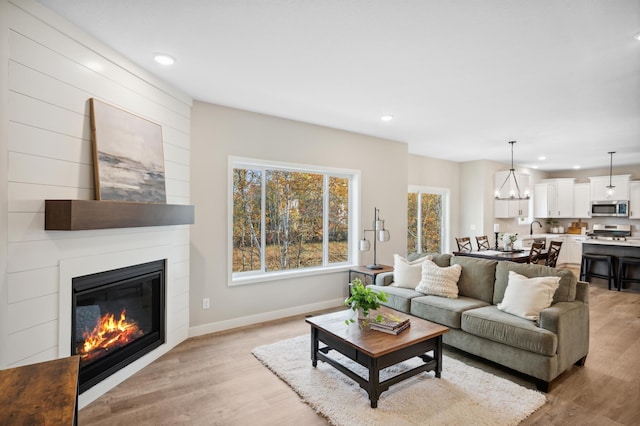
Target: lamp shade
x=364 y=245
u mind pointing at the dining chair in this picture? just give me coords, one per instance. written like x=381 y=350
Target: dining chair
x=536 y=251
x=464 y=244
x=483 y=242
x=541 y=240
x=553 y=253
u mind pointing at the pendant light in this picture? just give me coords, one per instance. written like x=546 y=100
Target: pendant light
x=513 y=195
x=610 y=188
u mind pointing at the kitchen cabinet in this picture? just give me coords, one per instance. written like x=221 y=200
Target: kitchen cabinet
x=634 y=199
x=553 y=198
x=511 y=208
x=582 y=201
x=598 y=185
x=571 y=250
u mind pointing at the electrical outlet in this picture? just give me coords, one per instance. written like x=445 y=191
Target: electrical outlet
x=205 y=303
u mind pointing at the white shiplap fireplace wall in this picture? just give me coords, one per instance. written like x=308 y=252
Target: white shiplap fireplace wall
x=53 y=70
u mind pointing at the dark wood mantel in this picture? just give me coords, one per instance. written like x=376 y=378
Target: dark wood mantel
x=76 y=215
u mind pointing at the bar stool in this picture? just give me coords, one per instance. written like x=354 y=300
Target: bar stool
x=623 y=262
x=589 y=259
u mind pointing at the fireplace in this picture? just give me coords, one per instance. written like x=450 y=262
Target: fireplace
x=117 y=317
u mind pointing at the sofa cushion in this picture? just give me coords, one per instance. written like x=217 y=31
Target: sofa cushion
x=440 y=259
x=407 y=274
x=491 y=323
x=566 y=292
x=526 y=297
x=477 y=278
x=439 y=281
x=447 y=312
x=397 y=297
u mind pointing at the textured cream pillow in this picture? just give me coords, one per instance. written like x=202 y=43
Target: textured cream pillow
x=407 y=274
x=439 y=281
x=526 y=297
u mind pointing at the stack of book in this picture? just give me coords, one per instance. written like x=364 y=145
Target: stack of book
x=389 y=323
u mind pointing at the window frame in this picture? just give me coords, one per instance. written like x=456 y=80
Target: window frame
x=249 y=277
x=445 y=193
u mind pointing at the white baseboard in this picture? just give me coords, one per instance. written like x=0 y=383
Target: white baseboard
x=263 y=317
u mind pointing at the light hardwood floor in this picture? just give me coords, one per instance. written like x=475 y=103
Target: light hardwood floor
x=214 y=379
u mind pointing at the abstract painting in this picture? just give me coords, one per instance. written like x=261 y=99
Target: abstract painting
x=127 y=154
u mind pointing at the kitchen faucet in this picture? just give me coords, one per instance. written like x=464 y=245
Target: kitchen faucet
x=531 y=226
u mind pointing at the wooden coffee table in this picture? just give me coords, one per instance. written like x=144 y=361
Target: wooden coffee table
x=376 y=350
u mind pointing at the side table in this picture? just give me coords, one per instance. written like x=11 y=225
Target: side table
x=40 y=394
x=368 y=275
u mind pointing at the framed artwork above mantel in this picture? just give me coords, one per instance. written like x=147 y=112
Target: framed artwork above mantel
x=127 y=154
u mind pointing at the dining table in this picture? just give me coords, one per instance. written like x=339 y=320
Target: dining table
x=520 y=256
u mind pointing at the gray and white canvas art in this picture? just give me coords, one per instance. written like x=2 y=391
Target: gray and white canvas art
x=128 y=155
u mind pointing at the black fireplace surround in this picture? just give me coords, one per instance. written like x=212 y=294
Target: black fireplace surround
x=117 y=317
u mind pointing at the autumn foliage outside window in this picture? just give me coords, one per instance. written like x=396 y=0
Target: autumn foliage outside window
x=285 y=219
x=424 y=233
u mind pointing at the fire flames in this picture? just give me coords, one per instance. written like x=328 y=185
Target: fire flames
x=107 y=335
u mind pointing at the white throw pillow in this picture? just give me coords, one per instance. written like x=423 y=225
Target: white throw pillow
x=407 y=274
x=439 y=281
x=526 y=297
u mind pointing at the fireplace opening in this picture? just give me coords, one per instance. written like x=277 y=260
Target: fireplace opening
x=118 y=316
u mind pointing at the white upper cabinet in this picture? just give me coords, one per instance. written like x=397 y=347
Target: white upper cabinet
x=582 y=201
x=554 y=198
x=599 y=190
x=511 y=208
x=634 y=199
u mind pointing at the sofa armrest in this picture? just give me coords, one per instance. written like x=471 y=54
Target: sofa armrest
x=582 y=291
x=384 y=279
x=570 y=322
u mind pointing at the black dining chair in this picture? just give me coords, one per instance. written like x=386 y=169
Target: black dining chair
x=553 y=253
x=464 y=244
x=536 y=251
x=543 y=241
x=483 y=242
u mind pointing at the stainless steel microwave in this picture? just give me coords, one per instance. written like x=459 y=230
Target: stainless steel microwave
x=611 y=208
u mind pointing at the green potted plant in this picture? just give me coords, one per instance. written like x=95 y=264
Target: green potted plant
x=363 y=300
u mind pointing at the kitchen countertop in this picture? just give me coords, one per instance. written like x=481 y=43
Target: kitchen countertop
x=630 y=242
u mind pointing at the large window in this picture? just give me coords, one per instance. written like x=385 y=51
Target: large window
x=288 y=218
x=426 y=232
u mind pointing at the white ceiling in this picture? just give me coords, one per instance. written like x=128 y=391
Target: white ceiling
x=461 y=77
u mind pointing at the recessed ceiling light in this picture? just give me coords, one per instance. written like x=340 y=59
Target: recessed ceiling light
x=637 y=36
x=576 y=167
x=386 y=117
x=164 y=59
x=542 y=158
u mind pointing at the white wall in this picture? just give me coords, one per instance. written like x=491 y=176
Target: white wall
x=53 y=70
x=219 y=132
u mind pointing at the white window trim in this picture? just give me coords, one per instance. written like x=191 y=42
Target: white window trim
x=445 y=193
x=234 y=279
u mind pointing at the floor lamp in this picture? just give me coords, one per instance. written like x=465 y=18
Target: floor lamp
x=381 y=235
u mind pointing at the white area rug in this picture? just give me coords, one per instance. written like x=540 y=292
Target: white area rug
x=463 y=396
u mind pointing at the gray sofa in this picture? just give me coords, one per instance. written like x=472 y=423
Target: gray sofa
x=542 y=350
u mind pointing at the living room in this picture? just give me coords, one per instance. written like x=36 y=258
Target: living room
x=51 y=68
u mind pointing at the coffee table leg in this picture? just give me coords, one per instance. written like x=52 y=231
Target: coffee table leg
x=374 y=382
x=314 y=346
x=438 y=356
